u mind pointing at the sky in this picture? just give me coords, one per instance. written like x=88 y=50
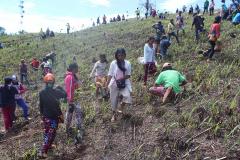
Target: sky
x=79 y=13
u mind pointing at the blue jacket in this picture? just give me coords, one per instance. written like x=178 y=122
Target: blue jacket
x=236 y=19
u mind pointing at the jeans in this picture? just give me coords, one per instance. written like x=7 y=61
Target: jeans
x=174 y=35
x=210 y=52
x=23 y=76
x=24 y=107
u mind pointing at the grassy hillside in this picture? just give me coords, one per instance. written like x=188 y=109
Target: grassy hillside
x=204 y=124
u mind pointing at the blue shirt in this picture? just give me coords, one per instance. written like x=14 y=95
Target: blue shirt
x=236 y=19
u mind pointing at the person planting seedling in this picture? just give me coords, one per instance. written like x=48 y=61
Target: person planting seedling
x=167 y=85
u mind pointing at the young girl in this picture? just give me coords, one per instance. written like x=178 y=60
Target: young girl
x=100 y=74
x=149 y=59
x=118 y=81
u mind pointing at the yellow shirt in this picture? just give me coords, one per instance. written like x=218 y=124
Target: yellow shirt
x=171 y=28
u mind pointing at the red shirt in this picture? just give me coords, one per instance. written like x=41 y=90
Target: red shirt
x=215 y=28
x=35 y=63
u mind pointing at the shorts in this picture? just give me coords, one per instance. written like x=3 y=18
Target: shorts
x=115 y=93
x=159 y=91
x=101 y=81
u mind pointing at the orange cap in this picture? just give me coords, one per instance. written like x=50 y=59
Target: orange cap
x=49 y=78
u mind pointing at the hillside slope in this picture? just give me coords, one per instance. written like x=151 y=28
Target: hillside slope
x=204 y=124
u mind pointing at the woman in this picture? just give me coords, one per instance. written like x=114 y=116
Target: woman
x=214 y=35
x=49 y=102
x=99 y=72
x=149 y=59
x=118 y=81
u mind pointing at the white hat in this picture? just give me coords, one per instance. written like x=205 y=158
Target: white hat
x=14 y=77
x=166 y=65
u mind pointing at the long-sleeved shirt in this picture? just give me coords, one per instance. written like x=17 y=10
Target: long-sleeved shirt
x=149 y=54
x=71 y=84
x=7 y=95
x=99 y=69
x=198 y=22
x=49 y=102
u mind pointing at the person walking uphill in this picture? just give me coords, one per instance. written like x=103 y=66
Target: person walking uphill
x=50 y=111
x=118 y=82
x=23 y=72
x=7 y=102
x=100 y=74
x=206 y=5
x=168 y=83
x=71 y=84
x=171 y=30
x=198 y=22
x=19 y=99
x=214 y=35
x=211 y=7
x=149 y=59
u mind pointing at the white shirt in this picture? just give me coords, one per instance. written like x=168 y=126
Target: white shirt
x=149 y=54
x=99 y=69
x=116 y=74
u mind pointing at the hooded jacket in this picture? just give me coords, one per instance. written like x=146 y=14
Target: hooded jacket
x=71 y=85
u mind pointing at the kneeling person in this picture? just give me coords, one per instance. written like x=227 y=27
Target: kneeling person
x=168 y=83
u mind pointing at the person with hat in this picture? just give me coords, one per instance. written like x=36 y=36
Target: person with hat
x=23 y=72
x=18 y=97
x=159 y=29
x=213 y=36
x=7 y=102
x=168 y=83
x=119 y=82
x=49 y=102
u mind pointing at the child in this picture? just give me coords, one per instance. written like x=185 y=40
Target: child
x=100 y=74
x=50 y=111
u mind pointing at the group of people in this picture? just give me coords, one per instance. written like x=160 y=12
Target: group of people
x=152 y=12
x=118 y=18
x=111 y=80
x=48 y=33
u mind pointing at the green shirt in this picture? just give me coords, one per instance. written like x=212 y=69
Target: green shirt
x=171 y=78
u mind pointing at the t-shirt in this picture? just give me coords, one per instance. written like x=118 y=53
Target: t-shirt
x=116 y=74
x=171 y=78
x=171 y=28
x=99 y=69
x=215 y=29
x=149 y=54
x=35 y=63
x=206 y=4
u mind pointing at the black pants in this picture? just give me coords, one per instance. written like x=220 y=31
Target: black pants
x=23 y=76
x=211 y=11
x=174 y=35
x=210 y=51
x=205 y=10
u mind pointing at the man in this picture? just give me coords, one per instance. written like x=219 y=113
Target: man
x=198 y=22
x=206 y=5
x=35 y=64
x=180 y=23
x=49 y=102
x=164 y=45
x=137 y=13
x=68 y=28
x=159 y=29
x=168 y=83
x=23 y=72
